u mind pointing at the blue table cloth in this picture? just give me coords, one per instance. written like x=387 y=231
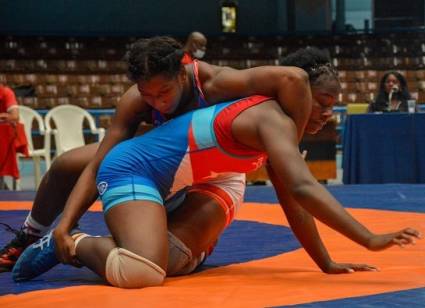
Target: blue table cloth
x=384 y=148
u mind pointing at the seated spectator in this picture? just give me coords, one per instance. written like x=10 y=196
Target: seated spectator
x=8 y=105
x=9 y=112
x=195 y=47
x=393 y=94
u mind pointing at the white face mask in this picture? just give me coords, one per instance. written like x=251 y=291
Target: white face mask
x=199 y=54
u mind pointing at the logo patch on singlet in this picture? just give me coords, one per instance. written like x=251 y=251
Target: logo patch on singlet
x=102 y=187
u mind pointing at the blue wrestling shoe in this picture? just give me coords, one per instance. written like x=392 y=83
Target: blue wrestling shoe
x=36 y=259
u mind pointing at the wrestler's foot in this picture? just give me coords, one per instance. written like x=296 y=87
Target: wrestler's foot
x=36 y=259
x=199 y=260
x=10 y=253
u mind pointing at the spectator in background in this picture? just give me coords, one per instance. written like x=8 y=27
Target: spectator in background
x=195 y=47
x=8 y=105
x=9 y=112
x=393 y=94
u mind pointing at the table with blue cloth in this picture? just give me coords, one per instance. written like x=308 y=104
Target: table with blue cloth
x=384 y=148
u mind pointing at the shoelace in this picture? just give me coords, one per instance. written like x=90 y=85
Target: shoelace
x=45 y=240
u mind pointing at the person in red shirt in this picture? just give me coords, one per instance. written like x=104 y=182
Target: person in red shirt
x=8 y=105
x=195 y=47
x=9 y=113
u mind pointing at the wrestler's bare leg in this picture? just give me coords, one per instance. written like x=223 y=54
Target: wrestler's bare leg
x=58 y=183
x=198 y=222
x=137 y=226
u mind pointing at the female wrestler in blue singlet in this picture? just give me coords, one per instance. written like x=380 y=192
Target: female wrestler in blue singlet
x=138 y=175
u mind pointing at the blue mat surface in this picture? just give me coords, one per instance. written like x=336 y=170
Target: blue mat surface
x=395 y=197
x=239 y=243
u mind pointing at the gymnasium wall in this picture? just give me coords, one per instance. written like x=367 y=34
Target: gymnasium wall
x=144 y=18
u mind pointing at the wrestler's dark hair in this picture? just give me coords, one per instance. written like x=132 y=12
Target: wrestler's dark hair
x=315 y=62
x=149 y=57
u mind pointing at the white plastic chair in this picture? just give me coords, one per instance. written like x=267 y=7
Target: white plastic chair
x=69 y=120
x=27 y=116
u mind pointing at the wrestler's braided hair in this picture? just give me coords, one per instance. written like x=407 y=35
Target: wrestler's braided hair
x=160 y=55
x=315 y=62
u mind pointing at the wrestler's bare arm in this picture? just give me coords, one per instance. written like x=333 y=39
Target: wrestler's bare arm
x=288 y=85
x=278 y=136
x=128 y=115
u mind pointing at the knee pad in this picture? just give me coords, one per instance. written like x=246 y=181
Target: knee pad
x=180 y=259
x=125 y=269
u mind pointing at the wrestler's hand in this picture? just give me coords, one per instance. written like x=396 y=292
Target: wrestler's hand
x=65 y=247
x=401 y=238
x=345 y=268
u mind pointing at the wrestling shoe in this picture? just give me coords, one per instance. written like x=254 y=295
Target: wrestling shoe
x=36 y=259
x=10 y=253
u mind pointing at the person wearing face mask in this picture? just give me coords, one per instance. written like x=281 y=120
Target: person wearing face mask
x=393 y=94
x=195 y=47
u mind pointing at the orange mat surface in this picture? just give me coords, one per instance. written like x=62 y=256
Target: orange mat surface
x=286 y=279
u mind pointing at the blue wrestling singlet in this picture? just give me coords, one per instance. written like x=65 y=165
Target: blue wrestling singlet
x=178 y=154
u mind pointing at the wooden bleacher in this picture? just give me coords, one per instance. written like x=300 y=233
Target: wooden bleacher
x=91 y=73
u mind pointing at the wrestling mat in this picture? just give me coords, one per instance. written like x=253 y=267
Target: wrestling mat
x=257 y=262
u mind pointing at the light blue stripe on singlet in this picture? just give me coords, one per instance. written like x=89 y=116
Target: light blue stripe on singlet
x=129 y=192
x=202 y=128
